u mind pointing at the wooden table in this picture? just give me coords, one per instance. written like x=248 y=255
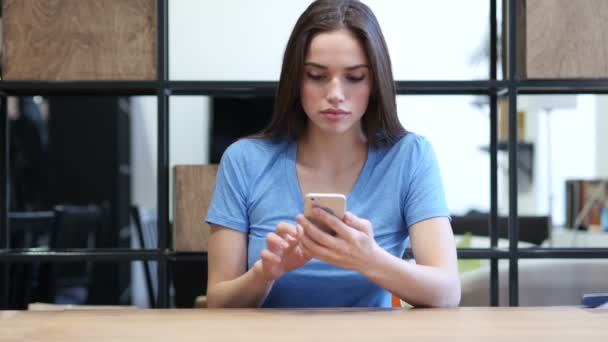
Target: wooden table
x=372 y=325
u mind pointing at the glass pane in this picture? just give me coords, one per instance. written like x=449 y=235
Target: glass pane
x=75 y=167
x=144 y=142
x=209 y=40
x=566 y=186
x=189 y=125
x=475 y=282
x=431 y=40
x=458 y=129
x=542 y=282
x=534 y=221
x=557 y=282
x=49 y=285
x=144 y=284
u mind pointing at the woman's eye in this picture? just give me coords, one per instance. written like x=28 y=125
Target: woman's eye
x=355 y=78
x=315 y=77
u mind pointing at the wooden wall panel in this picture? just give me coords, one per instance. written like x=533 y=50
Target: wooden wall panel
x=566 y=39
x=193 y=189
x=79 y=39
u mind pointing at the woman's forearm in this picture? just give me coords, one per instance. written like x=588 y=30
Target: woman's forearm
x=248 y=290
x=418 y=285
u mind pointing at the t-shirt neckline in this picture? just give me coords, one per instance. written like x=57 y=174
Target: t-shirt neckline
x=294 y=184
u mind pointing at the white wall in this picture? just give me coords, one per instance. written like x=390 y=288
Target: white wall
x=143 y=151
x=213 y=40
x=210 y=40
x=458 y=132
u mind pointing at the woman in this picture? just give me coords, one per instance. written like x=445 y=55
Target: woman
x=334 y=129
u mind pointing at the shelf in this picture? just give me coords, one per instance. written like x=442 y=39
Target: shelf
x=504 y=146
x=187 y=256
x=222 y=88
x=25 y=255
x=39 y=254
x=557 y=86
x=79 y=87
x=35 y=254
x=484 y=87
x=268 y=88
x=562 y=253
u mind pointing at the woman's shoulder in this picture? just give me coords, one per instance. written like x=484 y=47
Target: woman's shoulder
x=252 y=148
x=410 y=144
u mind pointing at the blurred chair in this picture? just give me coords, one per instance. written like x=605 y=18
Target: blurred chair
x=193 y=189
x=76 y=227
x=28 y=230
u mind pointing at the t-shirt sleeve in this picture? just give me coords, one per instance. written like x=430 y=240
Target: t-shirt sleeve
x=228 y=206
x=425 y=197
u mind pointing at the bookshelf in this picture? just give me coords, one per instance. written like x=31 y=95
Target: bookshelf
x=163 y=88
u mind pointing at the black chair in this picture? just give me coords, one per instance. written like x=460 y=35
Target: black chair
x=76 y=227
x=28 y=230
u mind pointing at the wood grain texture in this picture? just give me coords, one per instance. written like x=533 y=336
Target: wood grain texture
x=193 y=189
x=566 y=39
x=79 y=39
x=268 y=325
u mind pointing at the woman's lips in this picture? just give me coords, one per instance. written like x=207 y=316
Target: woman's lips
x=334 y=114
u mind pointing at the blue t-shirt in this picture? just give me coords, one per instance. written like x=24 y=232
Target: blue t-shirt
x=257 y=187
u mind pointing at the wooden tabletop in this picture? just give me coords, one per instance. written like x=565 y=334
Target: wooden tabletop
x=462 y=324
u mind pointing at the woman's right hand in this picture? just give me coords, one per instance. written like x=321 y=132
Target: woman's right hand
x=283 y=252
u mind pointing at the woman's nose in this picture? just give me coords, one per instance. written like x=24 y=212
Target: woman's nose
x=335 y=92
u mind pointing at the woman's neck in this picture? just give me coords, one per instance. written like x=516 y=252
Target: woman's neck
x=333 y=153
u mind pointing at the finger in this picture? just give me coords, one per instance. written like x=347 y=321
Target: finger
x=270 y=257
x=302 y=252
x=276 y=244
x=314 y=250
x=315 y=233
x=284 y=228
x=289 y=233
x=292 y=241
x=357 y=222
x=333 y=222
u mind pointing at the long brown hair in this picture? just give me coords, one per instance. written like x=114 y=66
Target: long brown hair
x=380 y=122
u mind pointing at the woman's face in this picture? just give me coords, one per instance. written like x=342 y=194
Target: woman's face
x=336 y=84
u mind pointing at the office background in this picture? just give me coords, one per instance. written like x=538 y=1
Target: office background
x=428 y=41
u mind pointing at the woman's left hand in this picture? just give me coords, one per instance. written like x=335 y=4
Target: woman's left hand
x=353 y=246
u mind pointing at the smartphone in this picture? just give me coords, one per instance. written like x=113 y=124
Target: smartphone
x=333 y=203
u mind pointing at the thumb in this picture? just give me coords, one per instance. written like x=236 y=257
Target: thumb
x=358 y=223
